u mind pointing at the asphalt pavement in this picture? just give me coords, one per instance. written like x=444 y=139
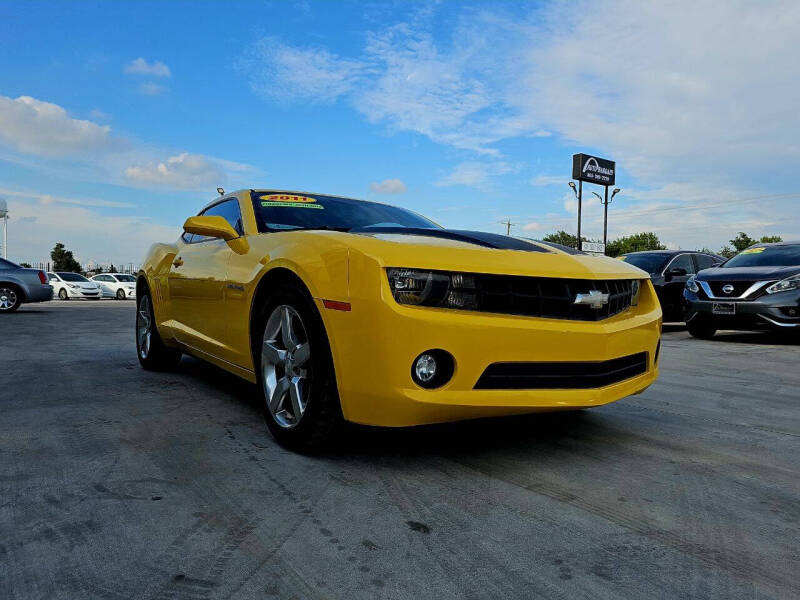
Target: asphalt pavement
x=119 y=483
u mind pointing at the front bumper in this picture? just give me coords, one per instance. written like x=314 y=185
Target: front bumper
x=375 y=344
x=766 y=312
x=82 y=293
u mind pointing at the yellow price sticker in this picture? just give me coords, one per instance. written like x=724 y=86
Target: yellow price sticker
x=283 y=198
x=753 y=250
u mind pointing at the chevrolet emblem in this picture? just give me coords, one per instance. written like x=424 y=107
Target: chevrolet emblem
x=595 y=299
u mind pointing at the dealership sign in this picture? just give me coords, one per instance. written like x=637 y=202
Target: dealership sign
x=593 y=169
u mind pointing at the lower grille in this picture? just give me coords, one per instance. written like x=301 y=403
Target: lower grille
x=561 y=375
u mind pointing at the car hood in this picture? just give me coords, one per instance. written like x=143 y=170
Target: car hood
x=747 y=273
x=480 y=252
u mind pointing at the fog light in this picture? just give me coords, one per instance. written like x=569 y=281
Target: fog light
x=433 y=368
x=425 y=368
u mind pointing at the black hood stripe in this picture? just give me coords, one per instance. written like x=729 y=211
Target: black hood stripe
x=479 y=238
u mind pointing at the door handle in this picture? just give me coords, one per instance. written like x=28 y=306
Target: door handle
x=177 y=262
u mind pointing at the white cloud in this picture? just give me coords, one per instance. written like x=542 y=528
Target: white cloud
x=140 y=66
x=35 y=127
x=185 y=171
x=50 y=199
x=543 y=180
x=150 y=88
x=285 y=73
x=474 y=173
x=65 y=146
x=389 y=186
x=35 y=229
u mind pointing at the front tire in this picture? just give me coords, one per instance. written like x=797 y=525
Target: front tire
x=10 y=298
x=120 y=294
x=701 y=329
x=150 y=349
x=295 y=372
x=63 y=294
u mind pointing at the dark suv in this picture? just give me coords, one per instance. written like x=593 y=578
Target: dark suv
x=759 y=288
x=669 y=271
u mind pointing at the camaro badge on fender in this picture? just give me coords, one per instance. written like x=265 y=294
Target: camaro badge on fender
x=595 y=299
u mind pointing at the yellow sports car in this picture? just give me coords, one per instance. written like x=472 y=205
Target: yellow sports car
x=341 y=309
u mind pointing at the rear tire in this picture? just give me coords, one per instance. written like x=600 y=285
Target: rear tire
x=701 y=329
x=63 y=294
x=10 y=298
x=150 y=349
x=295 y=373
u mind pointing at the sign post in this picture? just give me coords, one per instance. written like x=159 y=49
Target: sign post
x=593 y=169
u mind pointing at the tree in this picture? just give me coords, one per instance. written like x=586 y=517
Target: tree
x=561 y=237
x=770 y=239
x=112 y=268
x=63 y=259
x=25 y=265
x=744 y=241
x=637 y=242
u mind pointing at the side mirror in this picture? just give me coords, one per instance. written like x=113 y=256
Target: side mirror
x=210 y=226
x=674 y=273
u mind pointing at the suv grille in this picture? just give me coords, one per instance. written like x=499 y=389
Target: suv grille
x=550 y=297
x=561 y=375
x=739 y=288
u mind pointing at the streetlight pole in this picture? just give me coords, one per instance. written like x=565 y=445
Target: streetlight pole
x=605 y=212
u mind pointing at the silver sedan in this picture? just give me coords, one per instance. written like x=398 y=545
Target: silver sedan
x=18 y=285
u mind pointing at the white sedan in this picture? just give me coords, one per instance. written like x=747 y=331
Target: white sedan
x=73 y=285
x=116 y=285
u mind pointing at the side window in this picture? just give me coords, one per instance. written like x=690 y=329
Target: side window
x=228 y=210
x=704 y=261
x=52 y=276
x=683 y=261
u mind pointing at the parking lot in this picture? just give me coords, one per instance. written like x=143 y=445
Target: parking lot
x=121 y=483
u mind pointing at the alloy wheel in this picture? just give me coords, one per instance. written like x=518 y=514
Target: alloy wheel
x=8 y=298
x=286 y=366
x=144 y=329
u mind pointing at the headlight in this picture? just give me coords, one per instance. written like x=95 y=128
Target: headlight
x=790 y=283
x=691 y=285
x=73 y=286
x=433 y=288
x=636 y=287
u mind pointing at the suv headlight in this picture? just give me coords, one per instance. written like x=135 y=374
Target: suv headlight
x=784 y=285
x=691 y=285
x=433 y=288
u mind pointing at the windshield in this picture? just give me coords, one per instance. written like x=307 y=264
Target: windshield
x=766 y=256
x=652 y=263
x=284 y=211
x=126 y=278
x=72 y=277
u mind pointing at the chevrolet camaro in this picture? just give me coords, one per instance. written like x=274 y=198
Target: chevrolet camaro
x=347 y=310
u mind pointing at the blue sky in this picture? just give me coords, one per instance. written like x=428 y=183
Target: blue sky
x=118 y=120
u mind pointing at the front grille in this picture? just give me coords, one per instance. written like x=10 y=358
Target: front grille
x=739 y=288
x=561 y=375
x=550 y=297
